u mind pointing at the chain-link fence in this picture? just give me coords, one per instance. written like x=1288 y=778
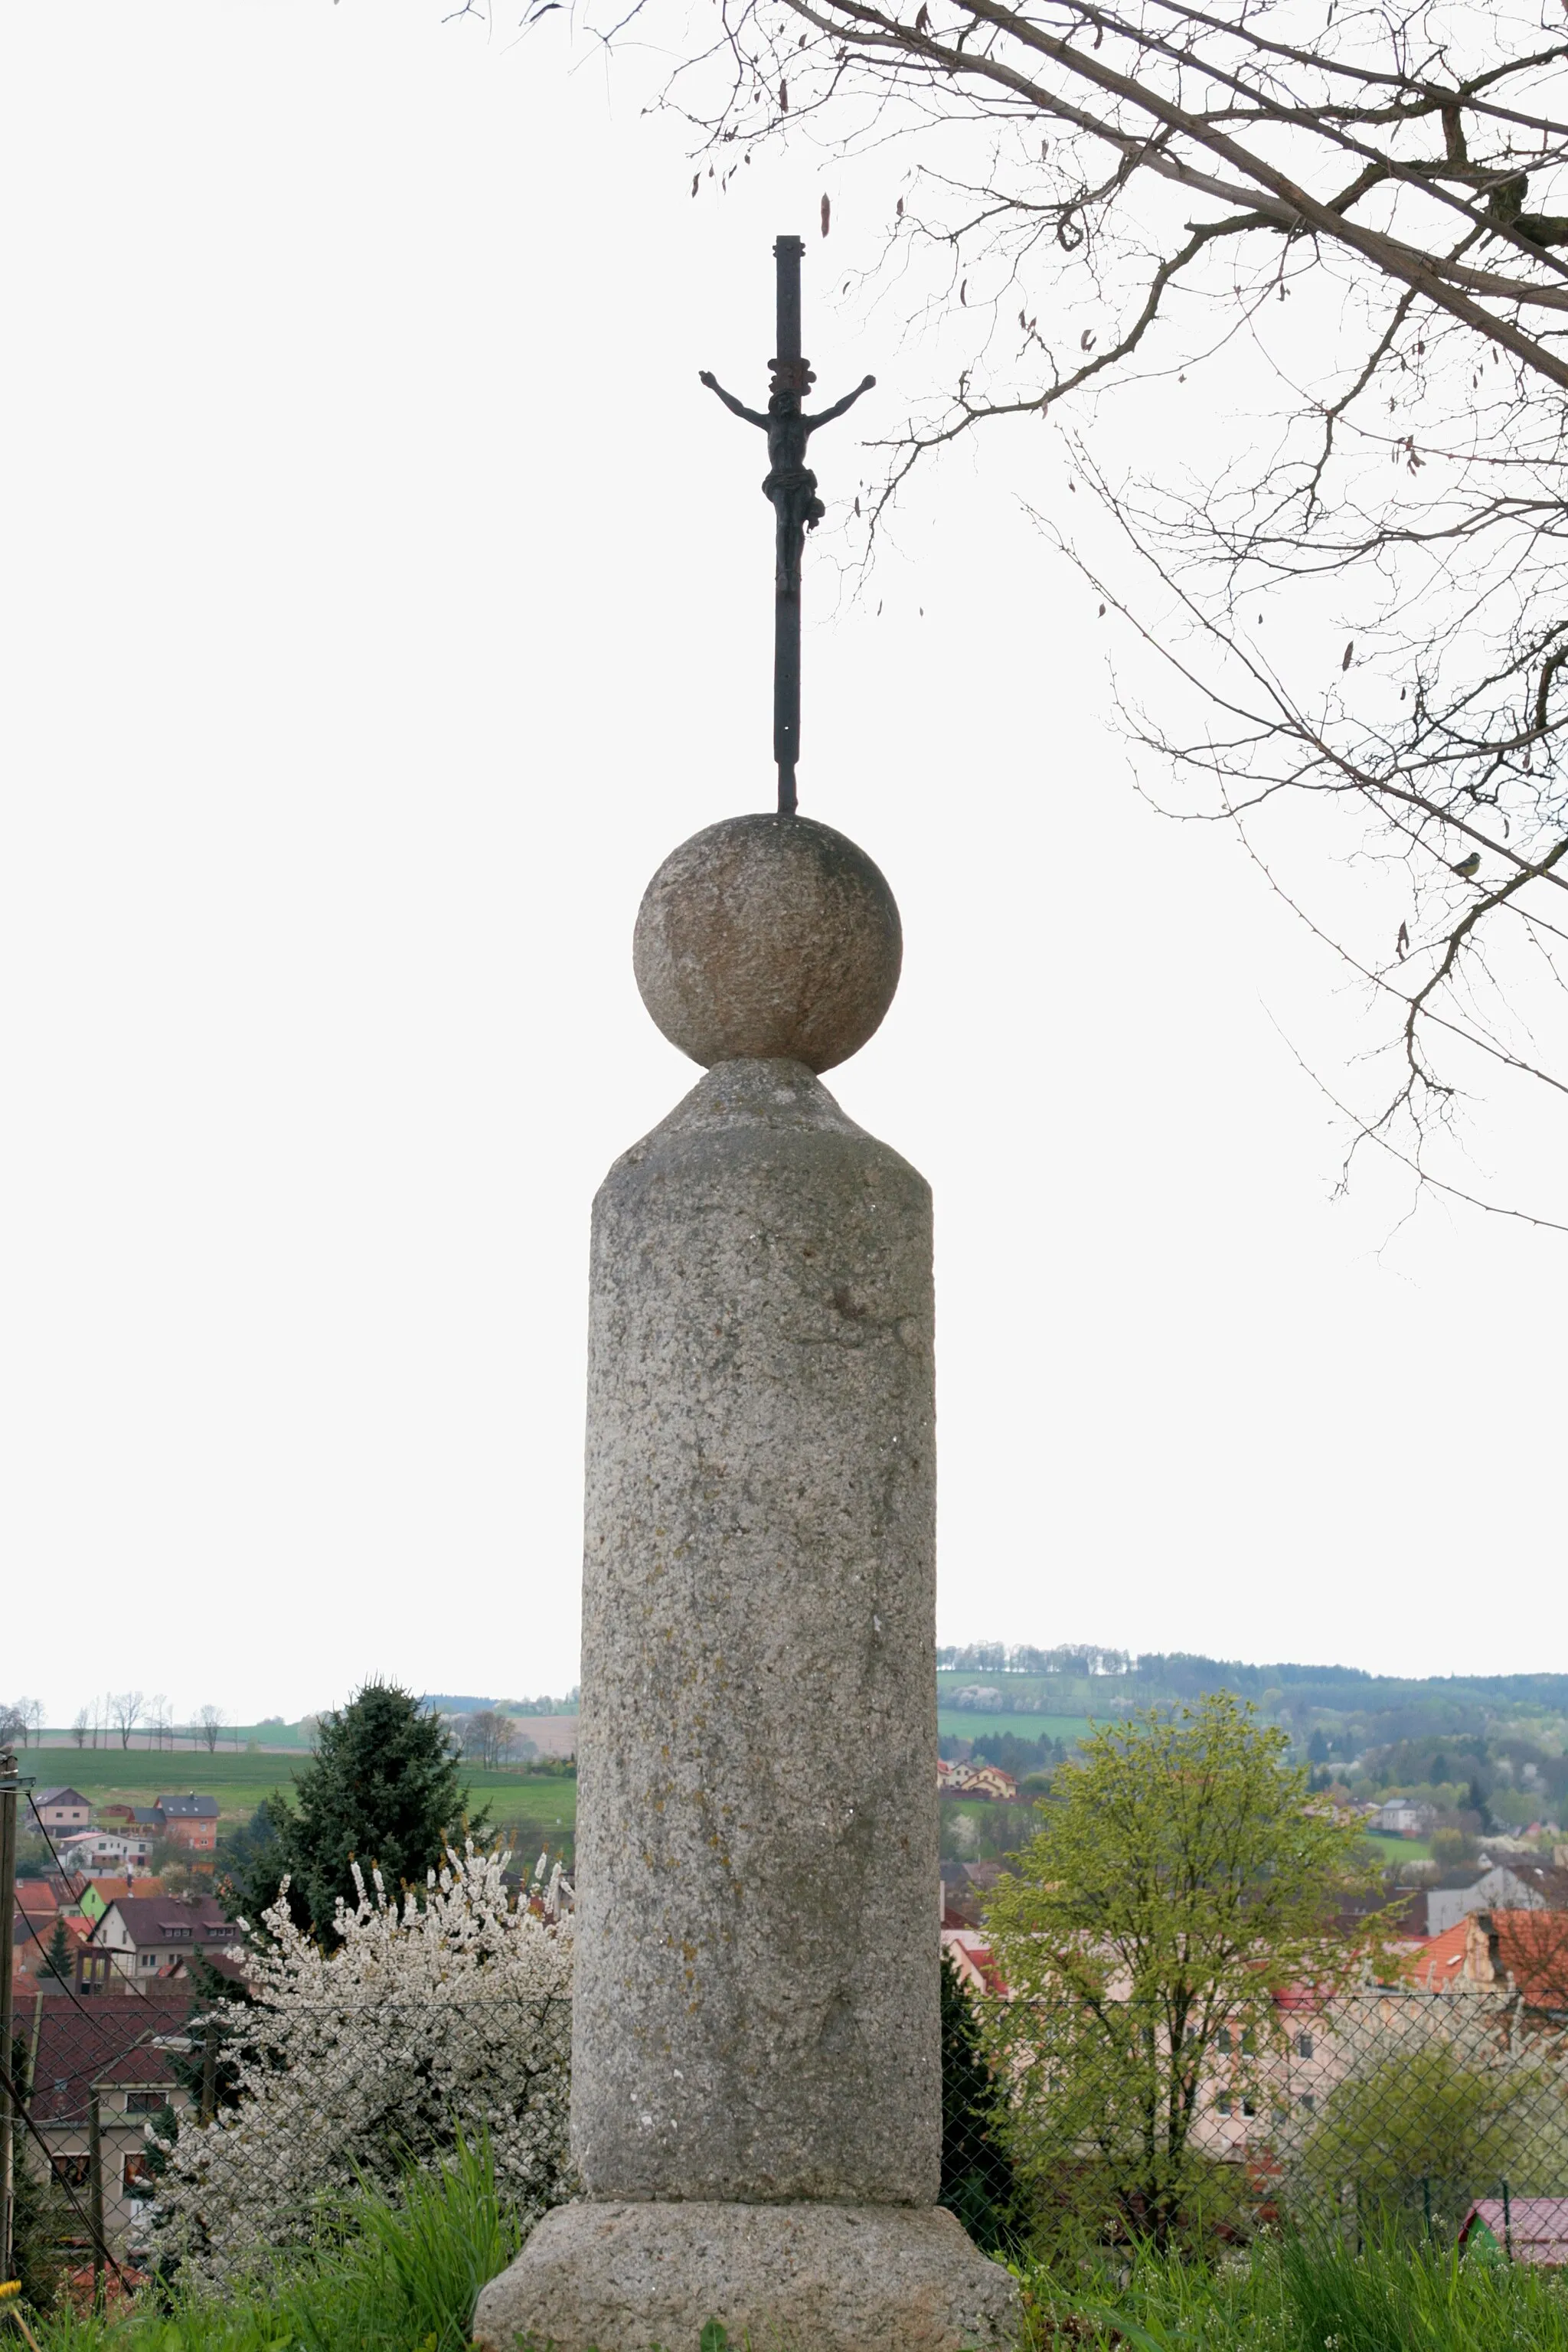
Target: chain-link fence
x=164 y=2130
x=1394 y=2110
x=177 y=2126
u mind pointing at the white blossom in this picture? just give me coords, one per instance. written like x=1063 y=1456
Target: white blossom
x=447 y=2013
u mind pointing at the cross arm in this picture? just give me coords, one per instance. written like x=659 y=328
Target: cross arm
x=839 y=406
x=737 y=407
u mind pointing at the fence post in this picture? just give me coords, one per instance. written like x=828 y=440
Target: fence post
x=95 y=2196
x=1507 y=2222
x=1427 y=2203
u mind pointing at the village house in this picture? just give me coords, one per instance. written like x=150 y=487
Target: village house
x=122 y=2051
x=190 y=1821
x=1526 y=1951
x=36 y=1942
x=36 y=1912
x=62 y=1808
x=103 y=1854
x=976 y=1780
x=1400 y=1818
x=970 y=1954
x=1518 y=2230
x=146 y=1940
x=1512 y=1885
x=98 y=1894
x=37 y=1908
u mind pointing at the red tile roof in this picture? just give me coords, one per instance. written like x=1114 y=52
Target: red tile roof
x=1441 y=1959
x=1532 y=1946
x=158 y=1918
x=1533 y=2228
x=93 y=2041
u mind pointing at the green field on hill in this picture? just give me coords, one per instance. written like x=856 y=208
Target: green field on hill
x=964 y=1723
x=135 y=1776
x=1392 y=1849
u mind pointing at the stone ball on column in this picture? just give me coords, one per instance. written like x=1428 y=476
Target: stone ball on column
x=768 y=937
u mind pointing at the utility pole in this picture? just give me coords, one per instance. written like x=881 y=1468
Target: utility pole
x=11 y=1784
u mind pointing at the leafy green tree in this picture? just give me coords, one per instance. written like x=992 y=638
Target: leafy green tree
x=977 y=2177
x=1181 y=1877
x=383 y=1789
x=1416 y=2136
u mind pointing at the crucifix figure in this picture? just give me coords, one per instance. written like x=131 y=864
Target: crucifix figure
x=790 y=487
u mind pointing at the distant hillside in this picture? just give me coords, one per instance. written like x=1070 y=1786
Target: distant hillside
x=451 y=1703
x=1348 y=1708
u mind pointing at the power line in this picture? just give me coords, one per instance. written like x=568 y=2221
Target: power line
x=67 y=1987
x=19 y=2107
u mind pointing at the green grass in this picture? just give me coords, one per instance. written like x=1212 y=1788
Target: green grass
x=388 y=2277
x=964 y=1723
x=404 y=2277
x=1295 y=2297
x=1390 y=1850
x=135 y=1776
x=969 y=1725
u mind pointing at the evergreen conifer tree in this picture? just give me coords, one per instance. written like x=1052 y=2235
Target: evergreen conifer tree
x=58 y=1959
x=977 y=2182
x=383 y=1789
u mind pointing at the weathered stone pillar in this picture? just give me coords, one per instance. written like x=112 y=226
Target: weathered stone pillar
x=756 y=2105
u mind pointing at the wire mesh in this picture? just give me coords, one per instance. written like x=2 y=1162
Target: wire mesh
x=1410 y=2107
x=1393 y=2110
x=224 y=2127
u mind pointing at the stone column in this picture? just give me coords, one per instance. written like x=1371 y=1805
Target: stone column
x=756 y=2101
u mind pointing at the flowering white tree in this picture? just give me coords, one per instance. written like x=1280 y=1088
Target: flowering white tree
x=446 y=2013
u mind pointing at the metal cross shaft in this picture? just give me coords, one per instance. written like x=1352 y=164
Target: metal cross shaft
x=790 y=489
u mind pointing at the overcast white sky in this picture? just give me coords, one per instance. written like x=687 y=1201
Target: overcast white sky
x=382 y=600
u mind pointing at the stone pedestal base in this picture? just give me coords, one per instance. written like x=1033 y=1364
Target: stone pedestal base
x=603 y=2277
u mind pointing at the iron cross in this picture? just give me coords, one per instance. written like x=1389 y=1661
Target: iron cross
x=790 y=487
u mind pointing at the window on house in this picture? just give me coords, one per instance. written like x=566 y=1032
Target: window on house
x=1248 y=2043
x=1221 y=2041
x=1303 y=2045
x=149 y=1959
x=136 y=2172
x=1225 y=2103
x=1249 y=2106
x=73 y=2170
x=144 y=2103
x=1309 y=2102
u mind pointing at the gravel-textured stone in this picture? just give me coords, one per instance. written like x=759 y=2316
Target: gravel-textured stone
x=781 y=2278
x=755 y=2006
x=756 y=2089
x=769 y=937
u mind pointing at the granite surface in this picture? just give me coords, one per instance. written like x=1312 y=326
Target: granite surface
x=767 y=936
x=780 y=2278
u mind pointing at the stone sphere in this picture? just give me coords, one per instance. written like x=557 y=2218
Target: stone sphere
x=768 y=937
